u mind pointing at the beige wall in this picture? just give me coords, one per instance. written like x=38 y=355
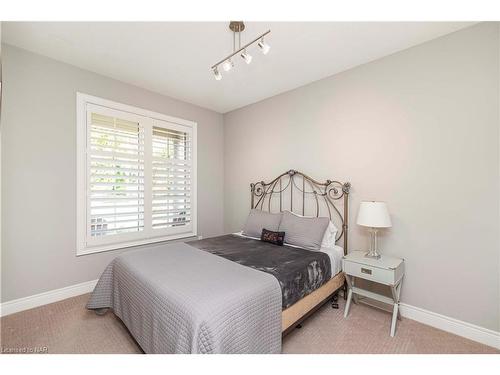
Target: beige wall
x=418 y=129
x=39 y=177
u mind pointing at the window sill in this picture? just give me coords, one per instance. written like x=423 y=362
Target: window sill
x=121 y=246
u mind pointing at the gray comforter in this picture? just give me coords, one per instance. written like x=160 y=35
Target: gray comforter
x=178 y=299
x=298 y=271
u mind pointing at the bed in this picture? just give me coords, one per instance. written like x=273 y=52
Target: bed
x=232 y=293
x=298 y=192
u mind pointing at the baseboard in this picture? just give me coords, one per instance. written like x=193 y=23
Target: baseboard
x=26 y=303
x=455 y=326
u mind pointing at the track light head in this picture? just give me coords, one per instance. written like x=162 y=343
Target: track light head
x=264 y=46
x=246 y=56
x=217 y=74
x=227 y=65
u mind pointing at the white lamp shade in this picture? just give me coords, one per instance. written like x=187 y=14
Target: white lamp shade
x=374 y=214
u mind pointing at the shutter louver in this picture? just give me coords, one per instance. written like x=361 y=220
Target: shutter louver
x=115 y=176
x=171 y=183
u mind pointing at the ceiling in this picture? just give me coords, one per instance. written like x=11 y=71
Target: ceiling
x=174 y=58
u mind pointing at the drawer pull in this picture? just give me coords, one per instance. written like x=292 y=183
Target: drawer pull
x=366 y=270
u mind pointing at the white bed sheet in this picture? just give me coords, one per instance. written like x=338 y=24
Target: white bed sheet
x=335 y=254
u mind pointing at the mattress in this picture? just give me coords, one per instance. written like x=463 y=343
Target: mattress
x=298 y=271
x=335 y=254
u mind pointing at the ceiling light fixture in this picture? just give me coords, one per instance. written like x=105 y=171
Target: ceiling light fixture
x=227 y=64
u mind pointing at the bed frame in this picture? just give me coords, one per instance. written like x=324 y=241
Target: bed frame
x=296 y=192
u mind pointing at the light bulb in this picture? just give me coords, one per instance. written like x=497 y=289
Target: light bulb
x=264 y=46
x=217 y=74
x=246 y=56
x=227 y=65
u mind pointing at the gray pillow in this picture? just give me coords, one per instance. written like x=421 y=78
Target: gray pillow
x=258 y=220
x=306 y=232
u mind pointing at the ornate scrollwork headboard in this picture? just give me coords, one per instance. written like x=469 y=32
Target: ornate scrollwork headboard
x=311 y=198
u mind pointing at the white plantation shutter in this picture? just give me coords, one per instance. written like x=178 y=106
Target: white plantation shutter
x=171 y=164
x=115 y=160
x=137 y=176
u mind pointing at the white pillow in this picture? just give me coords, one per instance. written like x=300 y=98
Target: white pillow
x=329 y=238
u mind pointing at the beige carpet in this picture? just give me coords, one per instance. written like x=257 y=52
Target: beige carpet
x=66 y=327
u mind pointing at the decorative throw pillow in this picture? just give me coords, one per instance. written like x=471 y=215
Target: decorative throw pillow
x=276 y=238
x=258 y=220
x=305 y=232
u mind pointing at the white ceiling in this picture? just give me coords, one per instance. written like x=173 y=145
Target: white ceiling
x=174 y=58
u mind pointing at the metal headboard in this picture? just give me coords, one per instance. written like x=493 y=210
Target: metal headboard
x=327 y=195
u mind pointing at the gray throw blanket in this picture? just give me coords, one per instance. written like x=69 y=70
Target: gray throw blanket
x=178 y=299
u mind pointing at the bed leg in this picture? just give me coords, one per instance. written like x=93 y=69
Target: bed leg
x=298 y=326
x=335 y=299
x=345 y=290
x=101 y=312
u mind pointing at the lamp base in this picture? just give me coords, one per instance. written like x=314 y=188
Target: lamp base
x=372 y=254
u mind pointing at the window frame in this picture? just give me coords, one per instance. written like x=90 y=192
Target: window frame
x=124 y=240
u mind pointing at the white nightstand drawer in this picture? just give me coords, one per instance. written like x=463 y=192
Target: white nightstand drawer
x=384 y=276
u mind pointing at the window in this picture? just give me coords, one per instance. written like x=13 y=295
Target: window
x=136 y=176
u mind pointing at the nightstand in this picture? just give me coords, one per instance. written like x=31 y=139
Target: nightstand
x=387 y=271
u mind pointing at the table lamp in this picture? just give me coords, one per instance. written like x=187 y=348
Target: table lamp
x=373 y=215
